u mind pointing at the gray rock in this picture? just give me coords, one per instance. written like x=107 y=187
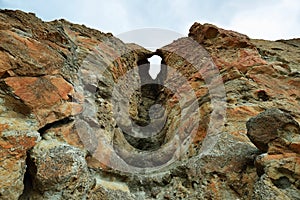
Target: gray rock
x=59 y=171
x=270 y=125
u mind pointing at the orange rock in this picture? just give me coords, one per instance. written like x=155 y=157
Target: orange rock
x=210 y=34
x=54 y=70
x=47 y=96
x=13 y=148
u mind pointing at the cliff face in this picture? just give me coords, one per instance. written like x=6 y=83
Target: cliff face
x=71 y=117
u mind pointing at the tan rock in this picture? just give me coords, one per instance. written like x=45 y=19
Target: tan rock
x=59 y=170
x=13 y=147
x=58 y=78
x=277 y=133
x=47 y=96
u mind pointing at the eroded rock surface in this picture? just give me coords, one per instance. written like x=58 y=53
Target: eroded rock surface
x=274 y=131
x=278 y=135
x=64 y=127
x=59 y=171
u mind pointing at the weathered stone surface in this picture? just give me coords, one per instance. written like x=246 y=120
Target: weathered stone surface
x=274 y=131
x=58 y=170
x=66 y=84
x=14 y=144
x=47 y=97
x=110 y=190
x=279 y=175
x=252 y=85
x=51 y=73
x=205 y=34
x=34 y=56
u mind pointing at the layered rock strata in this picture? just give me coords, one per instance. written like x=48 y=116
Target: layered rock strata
x=73 y=111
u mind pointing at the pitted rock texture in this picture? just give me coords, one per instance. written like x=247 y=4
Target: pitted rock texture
x=60 y=115
x=278 y=135
x=59 y=171
x=52 y=74
x=274 y=131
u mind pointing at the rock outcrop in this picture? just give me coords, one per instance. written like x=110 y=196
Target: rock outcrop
x=276 y=134
x=76 y=121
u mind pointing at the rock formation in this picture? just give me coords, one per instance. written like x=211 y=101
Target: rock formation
x=71 y=119
x=276 y=134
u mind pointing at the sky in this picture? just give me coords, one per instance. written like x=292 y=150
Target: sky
x=260 y=19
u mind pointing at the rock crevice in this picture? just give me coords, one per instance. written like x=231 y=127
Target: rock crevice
x=78 y=110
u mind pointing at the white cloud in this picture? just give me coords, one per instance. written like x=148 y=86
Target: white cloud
x=268 y=19
x=111 y=15
x=279 y=20
x=150 y=38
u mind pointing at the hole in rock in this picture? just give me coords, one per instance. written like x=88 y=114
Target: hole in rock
x=261 y=94
x=150 y=100
x=282 y=182
x=155 y=66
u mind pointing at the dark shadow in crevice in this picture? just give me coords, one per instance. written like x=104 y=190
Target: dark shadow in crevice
x=55 y=124
x=149 y=95
x=28 y=179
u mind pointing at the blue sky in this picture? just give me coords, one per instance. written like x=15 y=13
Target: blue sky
x=266 y=19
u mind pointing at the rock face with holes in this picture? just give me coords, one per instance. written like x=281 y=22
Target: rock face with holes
x=56 y=82
x=75 y=123
x=276 y=134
